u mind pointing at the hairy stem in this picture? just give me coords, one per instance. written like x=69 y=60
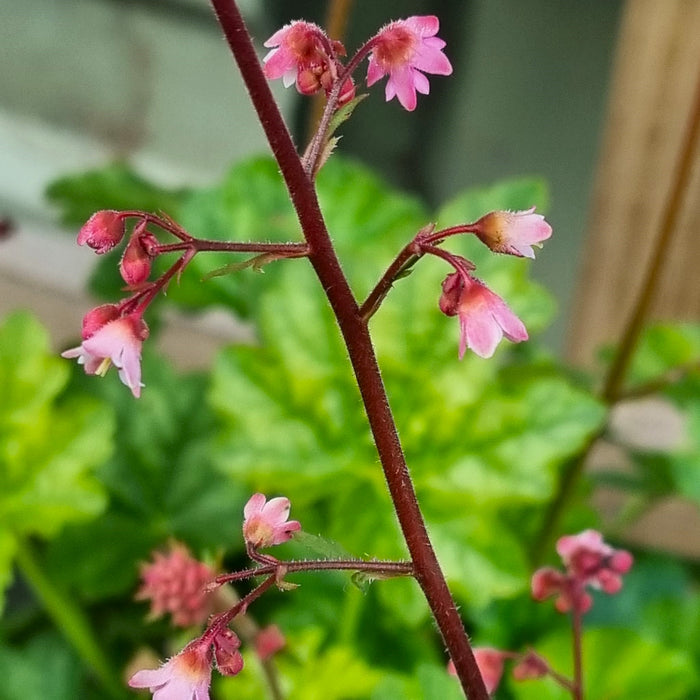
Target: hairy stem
x=576 y=633
x=69 y=619
x=359 y=346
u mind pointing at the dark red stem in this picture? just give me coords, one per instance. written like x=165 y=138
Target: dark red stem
x=576 y=633
x=359 y=346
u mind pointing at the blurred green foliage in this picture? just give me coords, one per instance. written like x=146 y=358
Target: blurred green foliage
x=98 y=480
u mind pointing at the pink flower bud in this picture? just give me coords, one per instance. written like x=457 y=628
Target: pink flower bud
x=513 y=232
x=135 y=265
x=102 y=231
x=269 y=641
x=229 y=661
x=265 y=522
x=530 y=666
x=490 y=663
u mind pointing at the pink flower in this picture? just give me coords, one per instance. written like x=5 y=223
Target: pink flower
x=102 y=231
x=117 y=342
x=490 y=662
x=175 y=583
x=229 y=661
x=484 y=317
x=406 y=50
x=184 y=677
x=296 y=47
x=513 y=232
x=596 y=563
x=265 y=522
x=589 y=562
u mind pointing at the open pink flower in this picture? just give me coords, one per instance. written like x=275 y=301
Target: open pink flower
x=175 y=583
x=102 y=231
x=184 y=677
x=513 y=232
x=265 y=522
x=117 y=342
x=406 y=50
x=484 y=317
x=296 y=48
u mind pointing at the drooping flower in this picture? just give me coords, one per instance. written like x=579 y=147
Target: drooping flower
x=174 y=582
x=117 y=342
x=185 y=676
x=102 y=231
x=513 y=232
x=484 y=317
x=265 y=522
x=490 y=662
x=589 y=562
x=405 y=50
x=229 y=661
x=295 y=48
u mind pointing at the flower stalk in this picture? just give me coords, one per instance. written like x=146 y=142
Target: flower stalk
x=356 y=335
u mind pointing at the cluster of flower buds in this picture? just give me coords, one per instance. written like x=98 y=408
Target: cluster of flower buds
x=178 y=584
x=590 y=563
x=303 y=55
x=113 y=334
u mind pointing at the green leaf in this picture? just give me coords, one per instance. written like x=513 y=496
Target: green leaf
x=161 y=485
x=49 y=448
x=43 y=668
x=619 y=665
x=115 y=186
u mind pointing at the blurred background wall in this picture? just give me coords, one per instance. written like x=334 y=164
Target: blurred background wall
x=84 y=81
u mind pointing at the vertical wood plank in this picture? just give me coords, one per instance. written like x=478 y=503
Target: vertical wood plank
x=656 y=70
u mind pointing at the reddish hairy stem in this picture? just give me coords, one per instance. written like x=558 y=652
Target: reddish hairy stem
x=389 y=568
x=576 y=631
x=287 y=250
x=359 y=346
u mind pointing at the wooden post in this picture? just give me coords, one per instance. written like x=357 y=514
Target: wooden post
x=655 y=76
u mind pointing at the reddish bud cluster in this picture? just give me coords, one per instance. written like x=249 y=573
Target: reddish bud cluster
x=174 y=582
x=589 y=562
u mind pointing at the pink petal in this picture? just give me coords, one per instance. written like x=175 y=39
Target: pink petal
x=423 y=25
x=421 y=83
x=254 y=505
x=480 y=333
x=513 y=328
x=374 y=72
x=276 y=511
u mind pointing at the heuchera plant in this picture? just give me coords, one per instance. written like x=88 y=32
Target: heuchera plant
x=405 y=52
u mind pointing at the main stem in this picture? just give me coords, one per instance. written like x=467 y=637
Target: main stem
x=359 y=345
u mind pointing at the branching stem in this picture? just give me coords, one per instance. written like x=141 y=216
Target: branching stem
x=359 y=345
